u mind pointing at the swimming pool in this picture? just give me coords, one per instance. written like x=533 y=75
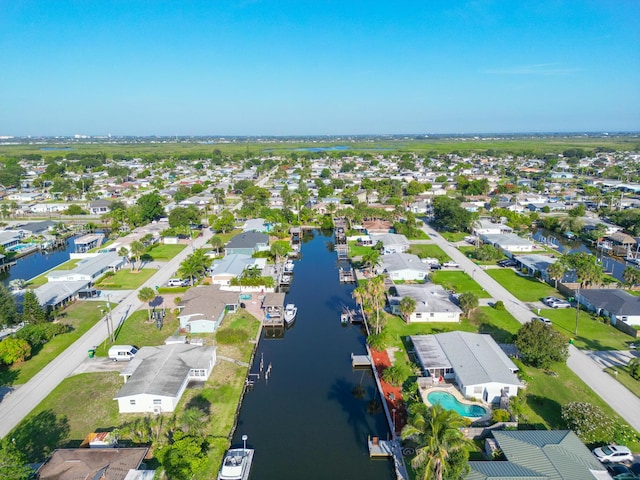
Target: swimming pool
x=448 y=401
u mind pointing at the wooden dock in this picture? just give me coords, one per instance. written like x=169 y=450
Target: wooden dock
x=360 y=360
x=379 y=448
x=346 y=275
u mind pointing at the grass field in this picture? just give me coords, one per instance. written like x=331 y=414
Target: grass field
x=136 y=330
x=526 y=289
x=592 y=333
x=458 y=281
x=429 y=250
x=500 y=324
x=81 y=316
x=468 y=250
x=125 y=279
x=454 y=236
x=358 y=250
x=161 y=252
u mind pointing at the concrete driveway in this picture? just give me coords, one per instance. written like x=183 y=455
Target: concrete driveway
x=612 y=358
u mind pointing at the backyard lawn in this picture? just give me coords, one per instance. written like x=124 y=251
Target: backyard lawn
x=429 y=250
x=526 y=289
x=458 y=281
x=454 y=236
x=125 y=279
x=358 y=250
x=81 y=316
x=163 y=252
x=136 y=330
x=592 y=333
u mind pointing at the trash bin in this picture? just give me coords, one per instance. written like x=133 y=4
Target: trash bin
x=92 y=353
x=571 y=341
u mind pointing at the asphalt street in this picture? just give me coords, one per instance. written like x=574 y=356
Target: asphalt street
x=16 y=404
x=625 y=403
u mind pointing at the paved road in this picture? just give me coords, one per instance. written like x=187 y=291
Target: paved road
x=625 y=403
x=17 y=404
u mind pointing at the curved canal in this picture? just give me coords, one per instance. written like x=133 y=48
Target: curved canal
x=305 y=420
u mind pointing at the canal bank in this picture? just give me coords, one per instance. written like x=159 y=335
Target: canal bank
x=311 y=416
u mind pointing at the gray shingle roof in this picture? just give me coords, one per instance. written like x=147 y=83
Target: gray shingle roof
x=429 y=298
x=615 y=301
x=403 y=261
x=248 y=240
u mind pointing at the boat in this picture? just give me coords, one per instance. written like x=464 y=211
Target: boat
x=236 y=464
x=290 y=312
x=344 y=318
x=288 y=267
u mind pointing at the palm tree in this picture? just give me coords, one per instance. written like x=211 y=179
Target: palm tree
x=217 y=243
x=587 y=271
x=137 y=249
x=407 y=307
x=194 y=265
x=371 y=259
x=147 y=295
x=438 y=435
x=631 y=276
x=555 y=271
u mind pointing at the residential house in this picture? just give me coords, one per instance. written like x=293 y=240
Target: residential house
x=38 y=228
x=617 y=305
x=538 y=455
x=100 y=207
x=433 y=303
x=535 y=264
x=232 y=266
x=473 y=361
x=157 y=376
x=485 y=226
x=256 y=225
x=404 y=266
x=247 y=243
x=508 y=242
x=9 y=238
x=93 y=463
x=391 y=242
x=89 y=269
x=372 y=227
x=622 y=243
x=203 y=308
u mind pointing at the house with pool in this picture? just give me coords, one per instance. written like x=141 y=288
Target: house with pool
x=474 y=362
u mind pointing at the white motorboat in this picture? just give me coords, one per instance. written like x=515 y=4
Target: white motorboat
x=288 y=267
x=290 y=312
x=236 y=464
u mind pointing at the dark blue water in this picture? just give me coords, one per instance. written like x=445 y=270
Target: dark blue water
x=305 y=422
x=37 y=263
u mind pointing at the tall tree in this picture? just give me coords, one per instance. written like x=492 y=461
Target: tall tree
x=137 y=250
x=468 y=302
x=438 y=433
x=13 y=463
x=631 y=276
x=556 y=271
x=151 y=206
x=541 y=345
x=147 y=295
x=587 y=271
x=8 y=311
x=32 y=312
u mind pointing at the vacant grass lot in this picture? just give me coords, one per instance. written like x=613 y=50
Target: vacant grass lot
x=592 y=333
x=468 y=250
x=162 y=253
x=500 y=324
x=136 y=330
x=458 y=281
x=526 y=289
x=125 y=279
x=454 y=236
x=81 y=316
x=429 y=250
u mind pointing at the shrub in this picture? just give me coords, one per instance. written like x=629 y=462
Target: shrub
x=41 y=333
x=540 y=345
x=393 y=375
x=499 y=305
x=634 y=368
x=377 y=341
x=13 y=350
x=589 y=422
x=500 y=415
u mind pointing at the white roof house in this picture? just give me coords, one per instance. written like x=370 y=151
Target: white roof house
x=89 y=269
x=508 y=241
x=404 y=266
x=391 y=242
x=229 y=267
x=486 y=226
x=158 y=376
x=474 y=361
x=433 y=303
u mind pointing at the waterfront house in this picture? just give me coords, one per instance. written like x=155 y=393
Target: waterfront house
x=9 y=238
x=391 y=242
x=617 y=305
x=232 y=266
x=247 y=243
x=433 y=303
x=403 y=266
x=38 y=228
x=203 y=308
x=89 y=269
x=473 y=361
x=372 y=227
x=94 y=463
x=486 y=226
x=508 y=242
x=156 y=377
x=622 y=243
x=535 y=264
x=537 y=454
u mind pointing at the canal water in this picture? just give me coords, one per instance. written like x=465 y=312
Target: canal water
x=305 y=421
x=37 y=263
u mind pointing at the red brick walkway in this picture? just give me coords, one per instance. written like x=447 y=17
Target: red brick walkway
x=392 y=395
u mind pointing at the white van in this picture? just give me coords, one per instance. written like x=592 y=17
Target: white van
x=122 y=353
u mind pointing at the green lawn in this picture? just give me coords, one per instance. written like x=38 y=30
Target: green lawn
x=357 y=250
x=592 y=333
x=125 y=279
x=458 y=281
x=500 y=324
x=526 y=289
x=81 y=316
x=622 y=375
x=429 y=250
x=468 y=250
x=545 y=395
x=454 y=236
x=136 y=330
x=229 y=235
x=161 y=252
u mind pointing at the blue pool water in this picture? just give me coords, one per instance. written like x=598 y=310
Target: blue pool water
x=448 y=401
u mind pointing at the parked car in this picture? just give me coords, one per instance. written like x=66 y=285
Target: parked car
x=507 y=262
x=635 y=468
x=177 y=282
x=450 y=264
x=613 y=453
x=544 y=320
x=620 y=472
x=555 y=302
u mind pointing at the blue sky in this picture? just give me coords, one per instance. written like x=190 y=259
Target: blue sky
x=298 y=67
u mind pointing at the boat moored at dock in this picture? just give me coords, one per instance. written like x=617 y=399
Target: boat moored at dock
x=236 y=464
x=290 y=312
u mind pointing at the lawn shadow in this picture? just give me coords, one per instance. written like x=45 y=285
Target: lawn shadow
x=199 y=402
x=549 y=410
x=500 y=335
x=39 y=435
x=7 y=378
